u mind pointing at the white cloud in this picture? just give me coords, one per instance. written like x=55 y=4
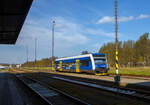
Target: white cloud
x=65 y=32
x=109 y=19
x=125 y=19
x=143 y=16
x=106 y=19
x=69 y=33
x=100 y=32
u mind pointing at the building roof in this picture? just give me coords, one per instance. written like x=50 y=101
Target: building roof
x=12 y=17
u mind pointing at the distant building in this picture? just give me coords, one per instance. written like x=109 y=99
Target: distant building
x=18 y=66
x=3 y=67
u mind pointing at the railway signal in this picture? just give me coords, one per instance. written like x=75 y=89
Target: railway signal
x=117 y=78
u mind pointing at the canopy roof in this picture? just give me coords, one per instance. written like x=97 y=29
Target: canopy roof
x=12 y=17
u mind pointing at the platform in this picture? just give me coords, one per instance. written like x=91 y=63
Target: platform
x=9 y=94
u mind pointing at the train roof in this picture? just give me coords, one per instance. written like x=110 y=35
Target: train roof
x=97 y=53
x=79 y=56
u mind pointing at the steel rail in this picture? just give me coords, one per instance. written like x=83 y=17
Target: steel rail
x=43 y=98
x=76 y=100
x=73 y=99
x=139 y=94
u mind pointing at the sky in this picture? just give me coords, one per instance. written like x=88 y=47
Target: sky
x=80 y=25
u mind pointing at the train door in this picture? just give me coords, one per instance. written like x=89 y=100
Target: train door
x=60 y=66
x=77 y=65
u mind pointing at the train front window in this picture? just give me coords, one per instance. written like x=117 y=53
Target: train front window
x=100 y=61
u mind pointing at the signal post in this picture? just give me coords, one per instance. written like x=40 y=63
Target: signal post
x=117 y=77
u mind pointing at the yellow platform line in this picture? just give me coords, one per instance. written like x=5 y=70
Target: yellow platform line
x=101 y=74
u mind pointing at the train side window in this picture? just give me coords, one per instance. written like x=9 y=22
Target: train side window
x=84 y=63
x=57 y=64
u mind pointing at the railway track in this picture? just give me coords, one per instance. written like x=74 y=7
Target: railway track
x=109 y=75
x=129 y=92
x=49 y=95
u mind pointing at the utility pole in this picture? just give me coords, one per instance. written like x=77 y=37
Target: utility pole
x=117 y=78
x=53 y=25
x=35 y=50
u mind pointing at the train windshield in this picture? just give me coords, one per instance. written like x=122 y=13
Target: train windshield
x=99 y=59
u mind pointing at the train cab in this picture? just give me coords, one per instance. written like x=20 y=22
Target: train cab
x=100 y=62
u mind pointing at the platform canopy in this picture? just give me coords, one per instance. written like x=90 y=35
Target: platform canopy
x=12 y=17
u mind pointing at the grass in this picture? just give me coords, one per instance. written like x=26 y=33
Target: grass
x=137 y=71
x=2 y=70
x=38 y=68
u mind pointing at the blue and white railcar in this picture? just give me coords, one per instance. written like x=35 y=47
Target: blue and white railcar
x=95 y=62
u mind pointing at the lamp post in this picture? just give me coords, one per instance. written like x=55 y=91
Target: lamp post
x=53 y=25
x=27 y=54
x=35 y=51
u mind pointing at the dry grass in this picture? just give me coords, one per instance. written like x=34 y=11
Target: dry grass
x=137 y=71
